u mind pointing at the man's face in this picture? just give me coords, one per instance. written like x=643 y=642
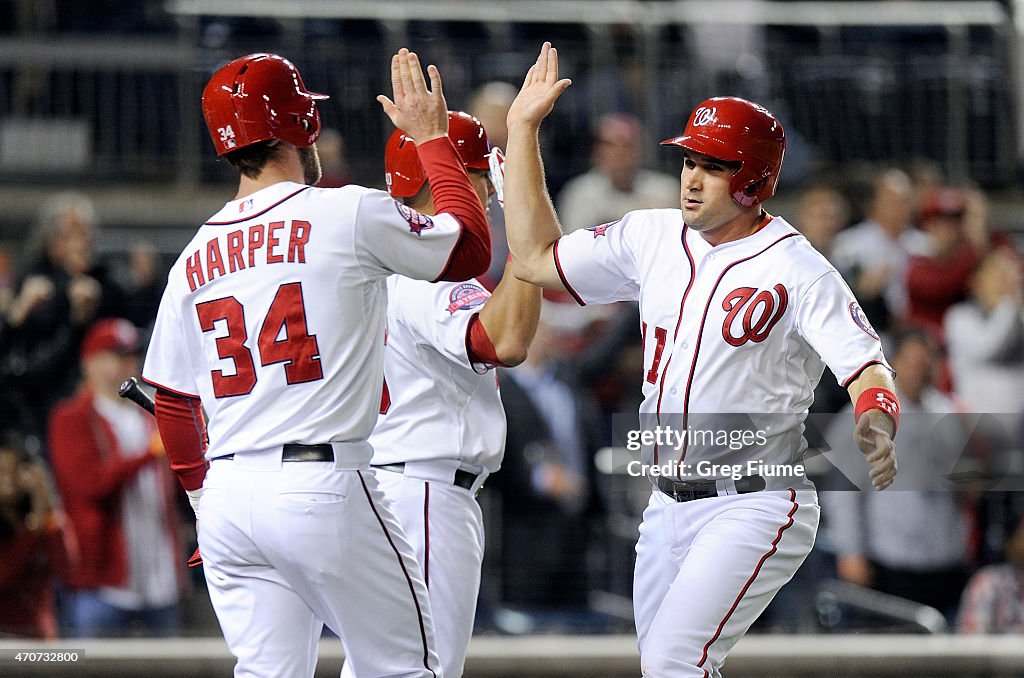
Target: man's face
x=705 y=196
x=105 y=370
x=914 y=364
x=310 y=164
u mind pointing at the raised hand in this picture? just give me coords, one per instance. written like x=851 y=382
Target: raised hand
x=419 y=112
x=878 y=449
x=540 y=90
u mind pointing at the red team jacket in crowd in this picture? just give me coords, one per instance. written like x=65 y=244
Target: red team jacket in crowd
x=90 y=471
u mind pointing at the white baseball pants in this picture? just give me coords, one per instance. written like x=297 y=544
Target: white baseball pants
x=445 y=526
x=707 y=568
x=289 y=546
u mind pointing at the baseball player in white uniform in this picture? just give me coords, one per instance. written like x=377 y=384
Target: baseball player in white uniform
x=441 y=429
x=273 y=322
x=739 y=315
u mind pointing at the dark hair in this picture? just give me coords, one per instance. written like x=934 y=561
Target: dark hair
x=251 y=159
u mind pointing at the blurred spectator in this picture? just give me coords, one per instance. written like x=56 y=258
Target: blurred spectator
x=62 y=291
x=108 y=462
x=34 y=546
x=939 y=279
x=993 y=601
x=489 y=104
x=912 y=539
x=331 y=148
x=873 y=255
x=610 y=363
x=546 y=480
x=822 y=212
x=142 y=281
x=616 y=183
x=985 y=337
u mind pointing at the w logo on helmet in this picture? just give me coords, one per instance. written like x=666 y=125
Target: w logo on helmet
x=762 y=312
x=705 y=115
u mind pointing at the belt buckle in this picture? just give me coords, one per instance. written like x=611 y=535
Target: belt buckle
x=680 y=491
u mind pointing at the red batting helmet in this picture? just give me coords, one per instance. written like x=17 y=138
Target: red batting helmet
x=259 y=97
x=737 y=130
x=402 y=170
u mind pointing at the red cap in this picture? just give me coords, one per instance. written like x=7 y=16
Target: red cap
x=115 y=335
x=259 y=97
x=403 y=173
x=737 y=130
x=942 y=202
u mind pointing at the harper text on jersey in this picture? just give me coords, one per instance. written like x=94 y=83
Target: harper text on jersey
x=240 y=249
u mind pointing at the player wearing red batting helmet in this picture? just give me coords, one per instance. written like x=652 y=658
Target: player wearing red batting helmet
x=739 y=131
x=441 y=429
x=259 y=97
x=404 y=175
x=739 y=314
x=267 y=356
x=255 y=101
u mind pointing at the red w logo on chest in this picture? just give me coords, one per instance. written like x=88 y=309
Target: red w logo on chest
x=759 y=312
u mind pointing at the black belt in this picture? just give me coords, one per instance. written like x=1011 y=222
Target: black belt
x=703 y=489
x=463 y=479
x=296 y=452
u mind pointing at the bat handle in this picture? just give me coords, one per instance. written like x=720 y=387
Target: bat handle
x=131 y=390
x=127 y=386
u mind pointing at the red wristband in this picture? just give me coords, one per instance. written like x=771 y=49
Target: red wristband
x=879 y=399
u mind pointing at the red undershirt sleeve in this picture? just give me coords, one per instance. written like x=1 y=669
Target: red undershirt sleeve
x=479 y=346
x=183 y=431
x=454 y=195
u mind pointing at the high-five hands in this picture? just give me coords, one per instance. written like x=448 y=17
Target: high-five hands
x=419 y=112
x=540 y=90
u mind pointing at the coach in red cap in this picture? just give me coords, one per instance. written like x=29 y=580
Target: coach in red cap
x=118 y=500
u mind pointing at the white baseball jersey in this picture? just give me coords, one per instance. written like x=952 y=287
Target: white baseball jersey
x=734 y=336
x=437 y=403
x=744 y=328
x=274 y=316
x=249 y=321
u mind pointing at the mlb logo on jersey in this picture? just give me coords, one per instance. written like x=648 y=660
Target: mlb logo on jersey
x=466 y=296
x=417 y=222
x=245 y=205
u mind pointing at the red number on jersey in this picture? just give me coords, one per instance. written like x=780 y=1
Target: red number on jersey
x=385 y=398
x=385 y=395
x=298 y=349
x=231 y=347
x=660 y=337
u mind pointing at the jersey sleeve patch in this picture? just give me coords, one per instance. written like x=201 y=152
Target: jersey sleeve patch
x=417 y=222
x=465 y=297
x=861 y=319
x=599 y=230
